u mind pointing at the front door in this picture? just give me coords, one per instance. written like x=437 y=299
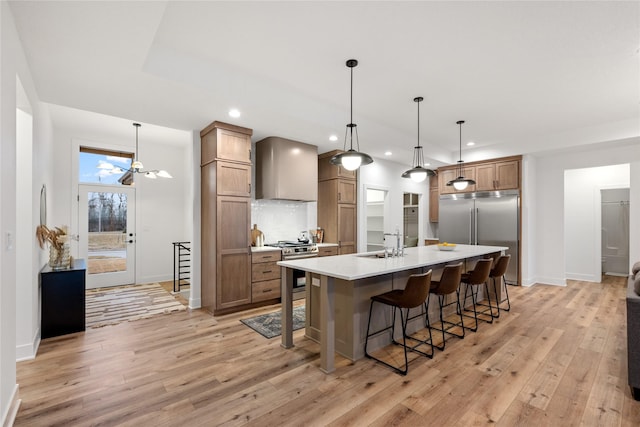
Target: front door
x=106 y=219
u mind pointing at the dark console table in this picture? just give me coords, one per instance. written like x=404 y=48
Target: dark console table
x=63 y=299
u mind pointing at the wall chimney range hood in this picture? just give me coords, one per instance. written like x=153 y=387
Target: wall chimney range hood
x=286 y=170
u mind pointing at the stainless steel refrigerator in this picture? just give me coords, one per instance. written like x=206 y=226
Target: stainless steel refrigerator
x=486 y=218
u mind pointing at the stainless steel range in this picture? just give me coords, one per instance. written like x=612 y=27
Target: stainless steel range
x=296 y=250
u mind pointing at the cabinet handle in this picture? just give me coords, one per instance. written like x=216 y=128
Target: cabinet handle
x=264 y=291
x=339 y=196
x=249 y=188
x=268 y=271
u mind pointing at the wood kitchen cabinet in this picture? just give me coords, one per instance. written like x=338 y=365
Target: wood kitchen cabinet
x=495 y=174
x=265 y=275
x=226 y=217
x=337 y=204
x=502 y=175
x=326 y=170
x=434 y=198
x=327 y=250
x=222 y=141
x=446 y=175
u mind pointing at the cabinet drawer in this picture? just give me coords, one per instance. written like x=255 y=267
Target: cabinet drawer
x=328 y=251
x=265 y=271
x=270 y=256
x=265 y=290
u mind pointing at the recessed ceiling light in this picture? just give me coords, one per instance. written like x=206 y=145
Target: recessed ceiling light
x=427 y=164
x=388 y=153
x=333 y=138
x=470 y=143
x=234 y=112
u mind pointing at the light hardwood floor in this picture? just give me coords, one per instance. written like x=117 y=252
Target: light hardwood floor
x=557 y=359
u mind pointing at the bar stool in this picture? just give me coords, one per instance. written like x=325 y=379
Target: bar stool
x=413 y=295
x=476 y=277
x=448 y=284
x=498 y=272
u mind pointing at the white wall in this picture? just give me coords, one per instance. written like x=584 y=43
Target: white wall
x=385 y=175
x=548 y=242
x=582 y=235
x=14 y=68
x=163 y=206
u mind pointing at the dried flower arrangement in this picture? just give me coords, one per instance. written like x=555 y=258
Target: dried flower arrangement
x=56 y=238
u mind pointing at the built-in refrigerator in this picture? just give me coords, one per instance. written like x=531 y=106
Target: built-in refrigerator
x=485 y=218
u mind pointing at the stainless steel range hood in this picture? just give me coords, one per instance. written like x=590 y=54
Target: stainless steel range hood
x=286 y=170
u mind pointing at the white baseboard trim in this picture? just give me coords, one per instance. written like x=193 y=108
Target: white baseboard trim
x=583 y=277
x=195 y=303
x=554 y=281
x=9 y=417
x=28 y=351
x=153 y=279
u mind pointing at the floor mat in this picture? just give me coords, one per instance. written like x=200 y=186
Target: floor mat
x=268 y=325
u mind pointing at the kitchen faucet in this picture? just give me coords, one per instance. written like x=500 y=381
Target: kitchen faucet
x=399 y=249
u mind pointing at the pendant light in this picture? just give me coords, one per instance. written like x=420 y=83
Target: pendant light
x=460 y=183
x=138 y=167
x=418 y=173
x=351 y=159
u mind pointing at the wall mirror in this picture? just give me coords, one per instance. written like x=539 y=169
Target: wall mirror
x=43 y=205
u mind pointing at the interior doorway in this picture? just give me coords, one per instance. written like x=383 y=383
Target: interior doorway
x=615 y=231
x=375 y=218
x=411 y=219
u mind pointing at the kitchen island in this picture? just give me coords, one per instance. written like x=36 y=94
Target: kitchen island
x=339 y=289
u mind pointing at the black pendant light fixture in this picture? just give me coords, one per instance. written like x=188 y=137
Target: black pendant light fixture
x=351 y=159
x=460 y=183
x=418 y=173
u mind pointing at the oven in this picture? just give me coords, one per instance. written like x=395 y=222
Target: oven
x=297 y=250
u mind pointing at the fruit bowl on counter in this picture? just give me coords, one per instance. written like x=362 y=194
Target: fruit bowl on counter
x=446 y=246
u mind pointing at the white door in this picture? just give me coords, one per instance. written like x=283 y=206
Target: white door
x=106 y=218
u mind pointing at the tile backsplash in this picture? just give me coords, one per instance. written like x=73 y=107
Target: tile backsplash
x=283 y=219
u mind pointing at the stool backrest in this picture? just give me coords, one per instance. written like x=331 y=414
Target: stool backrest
x=450 y=279
x=501 y=266
x=480 y=273
x=416 y=290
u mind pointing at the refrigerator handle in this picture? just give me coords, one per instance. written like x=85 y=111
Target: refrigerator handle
x=471 y=226
x=475 y=227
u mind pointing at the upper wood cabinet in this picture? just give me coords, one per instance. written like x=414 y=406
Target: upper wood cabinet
x=446 y=175
x=496 y=174
x=337 y=204
x=233 y=179
x=434 y=198
x=222 y=141
x=327 y=170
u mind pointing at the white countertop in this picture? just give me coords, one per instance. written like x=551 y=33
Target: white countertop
x=264 y=249
x=359 y=266
x=326 y=245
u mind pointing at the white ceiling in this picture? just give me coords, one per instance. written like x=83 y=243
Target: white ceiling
x=526 y=76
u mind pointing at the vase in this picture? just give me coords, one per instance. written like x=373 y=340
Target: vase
x=60 y=259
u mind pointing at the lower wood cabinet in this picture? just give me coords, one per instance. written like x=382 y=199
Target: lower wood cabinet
x=265 y=275
x=63 y=300
x=327 y=250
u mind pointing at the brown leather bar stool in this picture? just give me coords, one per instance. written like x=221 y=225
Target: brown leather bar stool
x=449 y=283
x=498 y=272
x=474 y=278
x=413 y=295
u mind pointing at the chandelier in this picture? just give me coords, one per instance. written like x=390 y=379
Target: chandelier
x=138 y=167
